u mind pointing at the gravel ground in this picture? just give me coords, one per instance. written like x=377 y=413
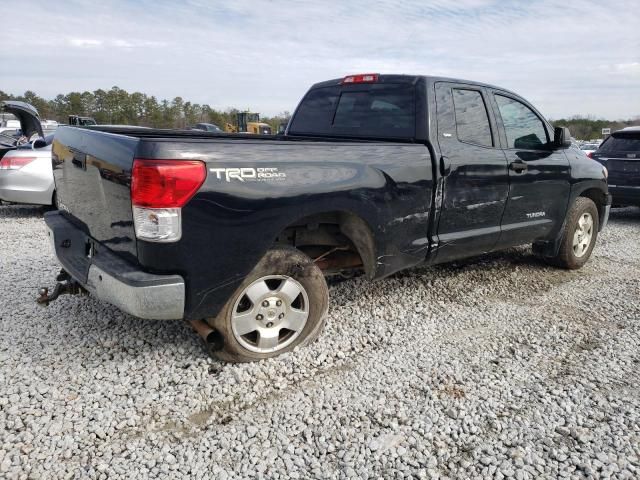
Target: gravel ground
x=496 y=367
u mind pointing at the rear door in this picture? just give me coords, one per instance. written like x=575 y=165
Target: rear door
x=474 y=169
x=538 y=175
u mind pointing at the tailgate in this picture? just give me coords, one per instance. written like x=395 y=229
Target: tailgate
x=92 y=172
x=623 y=172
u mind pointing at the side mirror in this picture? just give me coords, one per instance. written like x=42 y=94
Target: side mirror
x=561 y=137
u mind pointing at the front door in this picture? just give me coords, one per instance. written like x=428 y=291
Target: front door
x=538 y=175
x=474 y=169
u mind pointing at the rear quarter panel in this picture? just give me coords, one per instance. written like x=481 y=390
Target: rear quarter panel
x=232 y=222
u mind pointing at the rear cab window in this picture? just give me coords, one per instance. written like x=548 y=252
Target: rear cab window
x=384 y=110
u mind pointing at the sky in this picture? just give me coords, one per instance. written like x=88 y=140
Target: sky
x=566 y=57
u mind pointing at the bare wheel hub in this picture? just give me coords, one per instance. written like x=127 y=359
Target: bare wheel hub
x=270 y=313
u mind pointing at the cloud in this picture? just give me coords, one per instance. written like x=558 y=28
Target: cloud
x=84 y=42
x=266 y=57
x=112 y=43
x=632 y=68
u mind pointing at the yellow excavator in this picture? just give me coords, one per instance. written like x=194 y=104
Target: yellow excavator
x=247 y=122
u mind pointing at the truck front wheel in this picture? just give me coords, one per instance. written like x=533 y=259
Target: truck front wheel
x=281 y=304
x=579 y=235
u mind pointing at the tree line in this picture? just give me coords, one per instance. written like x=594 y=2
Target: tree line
x=589 y=128
x=119 y=107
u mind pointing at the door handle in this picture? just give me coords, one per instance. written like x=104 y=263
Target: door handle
x=445 y=167
x=518 y=166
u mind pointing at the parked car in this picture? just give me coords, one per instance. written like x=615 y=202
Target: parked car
x=11 y=132
x=30 y=128
x=81 y=121
x=207 y=127
x=589 y=148
x=620 y=154
x=25 y=160
x=26 y=175
x=377 y=173
x=11 y=123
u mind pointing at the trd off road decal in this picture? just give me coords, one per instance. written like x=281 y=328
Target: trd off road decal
x=249 y=174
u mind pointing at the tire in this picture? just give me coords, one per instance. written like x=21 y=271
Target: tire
x=579 y=235
x=286 y=289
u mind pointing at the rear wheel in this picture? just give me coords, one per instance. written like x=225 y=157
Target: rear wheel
x=281 y=304
x=579 y=235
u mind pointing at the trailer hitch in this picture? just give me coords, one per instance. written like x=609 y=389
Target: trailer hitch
x=65 y=286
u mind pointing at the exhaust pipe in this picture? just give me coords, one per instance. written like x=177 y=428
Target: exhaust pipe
x=212 y=337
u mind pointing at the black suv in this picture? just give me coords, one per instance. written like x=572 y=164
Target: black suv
x=620 y=153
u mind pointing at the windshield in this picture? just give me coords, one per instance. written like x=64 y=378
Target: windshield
x=380 y=110
x=589 y=146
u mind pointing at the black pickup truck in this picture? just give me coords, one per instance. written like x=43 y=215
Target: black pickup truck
x=374 y=174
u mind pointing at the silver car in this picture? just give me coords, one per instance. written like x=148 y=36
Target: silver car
x=26 y=174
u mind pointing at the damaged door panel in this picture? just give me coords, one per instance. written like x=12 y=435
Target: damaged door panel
x=474 y=167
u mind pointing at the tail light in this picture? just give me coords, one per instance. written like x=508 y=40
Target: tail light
x=9 y=162
x=361 y=78
x=590 y=154
x=159 y=190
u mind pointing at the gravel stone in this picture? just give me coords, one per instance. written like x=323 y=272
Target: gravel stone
x=498 y=366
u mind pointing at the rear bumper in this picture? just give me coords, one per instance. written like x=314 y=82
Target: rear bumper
x=110 y=278
x=625 y=195
x=18 y=186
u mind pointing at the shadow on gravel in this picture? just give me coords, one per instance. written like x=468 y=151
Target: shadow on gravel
x=625 y=216
x=22 y=211
x=93 y=329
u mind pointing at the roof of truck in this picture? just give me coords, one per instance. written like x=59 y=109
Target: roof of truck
x=409 y=79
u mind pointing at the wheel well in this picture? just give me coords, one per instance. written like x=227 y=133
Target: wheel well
x=337 y=241
x=598 y=197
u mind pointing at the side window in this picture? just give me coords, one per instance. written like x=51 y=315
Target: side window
x=524 y=128
x=472 y=120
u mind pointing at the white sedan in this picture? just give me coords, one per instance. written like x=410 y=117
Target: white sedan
x=26 y=175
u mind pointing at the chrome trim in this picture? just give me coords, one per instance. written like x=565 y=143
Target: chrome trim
x=163 y=301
